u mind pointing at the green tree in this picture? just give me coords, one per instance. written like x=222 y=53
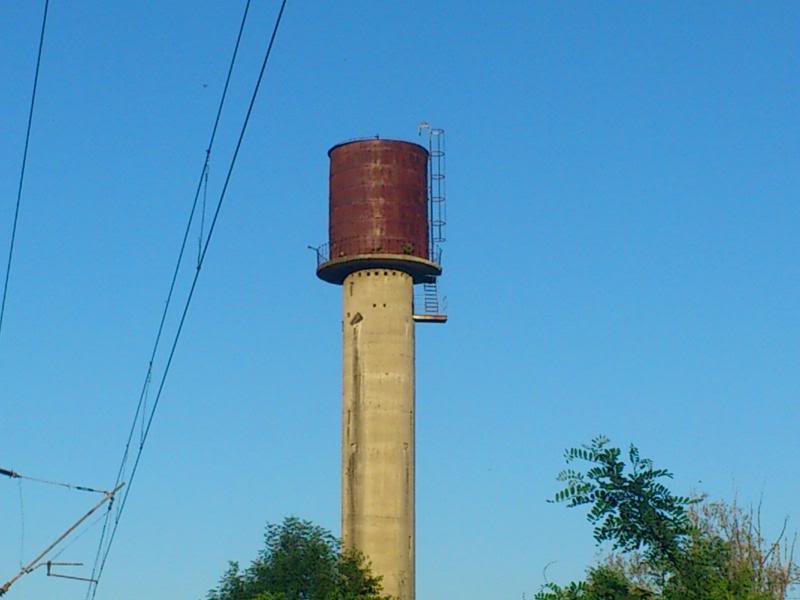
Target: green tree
x=629 y=506
x=300 y=561
x=604 y=582
x=666 y=547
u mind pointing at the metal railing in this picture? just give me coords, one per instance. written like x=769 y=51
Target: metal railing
x=362 y=245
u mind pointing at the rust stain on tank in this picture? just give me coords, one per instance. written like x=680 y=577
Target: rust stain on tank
x=378 y=199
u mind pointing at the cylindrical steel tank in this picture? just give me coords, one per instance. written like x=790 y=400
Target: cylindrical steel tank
x=378 y=199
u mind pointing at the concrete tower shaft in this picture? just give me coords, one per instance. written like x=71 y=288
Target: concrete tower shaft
x=378 y=424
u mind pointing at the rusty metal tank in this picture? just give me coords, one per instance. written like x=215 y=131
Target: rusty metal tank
x=378 y=209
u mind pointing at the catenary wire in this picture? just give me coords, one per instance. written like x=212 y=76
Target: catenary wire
x=141 y=405
x=22 y=168
x=202 y=218
x=188 y=302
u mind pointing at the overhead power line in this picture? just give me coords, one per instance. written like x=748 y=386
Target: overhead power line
x=97 y=571
x=22 y=168
x=141 y=405
x=202 y=180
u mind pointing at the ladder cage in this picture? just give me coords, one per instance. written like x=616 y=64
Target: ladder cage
x=428 y=306
x=437 y=189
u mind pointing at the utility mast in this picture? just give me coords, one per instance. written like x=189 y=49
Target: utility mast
x=39 y=561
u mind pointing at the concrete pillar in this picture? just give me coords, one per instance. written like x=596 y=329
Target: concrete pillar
x=378 y=424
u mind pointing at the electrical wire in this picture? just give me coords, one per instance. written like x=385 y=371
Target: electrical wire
x=202 y=219
x=143 y=395
x=22 y=168
x=99 y=571
x=21 y=524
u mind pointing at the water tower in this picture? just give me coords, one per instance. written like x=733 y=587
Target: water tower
x=386 y=221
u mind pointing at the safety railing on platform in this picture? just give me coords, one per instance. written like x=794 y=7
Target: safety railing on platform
x=359 y=246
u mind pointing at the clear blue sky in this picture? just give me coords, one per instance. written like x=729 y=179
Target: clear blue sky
x=624 y=201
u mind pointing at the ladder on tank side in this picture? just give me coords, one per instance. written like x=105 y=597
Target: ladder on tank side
x=429 y=301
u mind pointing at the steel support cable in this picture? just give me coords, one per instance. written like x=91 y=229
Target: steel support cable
x=22 y=168
x=81 y=488
x=38 y=560
x=77 y=537
x=12 y=474
x=148 y=376
x=190 y=296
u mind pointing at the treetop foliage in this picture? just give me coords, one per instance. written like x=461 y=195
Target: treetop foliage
x=666 y=547
x=629 y=506
x=300 y=561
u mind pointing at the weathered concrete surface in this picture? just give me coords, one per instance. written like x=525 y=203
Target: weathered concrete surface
x=378 y=424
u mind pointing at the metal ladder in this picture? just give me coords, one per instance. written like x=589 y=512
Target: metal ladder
x=430 y=298
x=432 y=309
